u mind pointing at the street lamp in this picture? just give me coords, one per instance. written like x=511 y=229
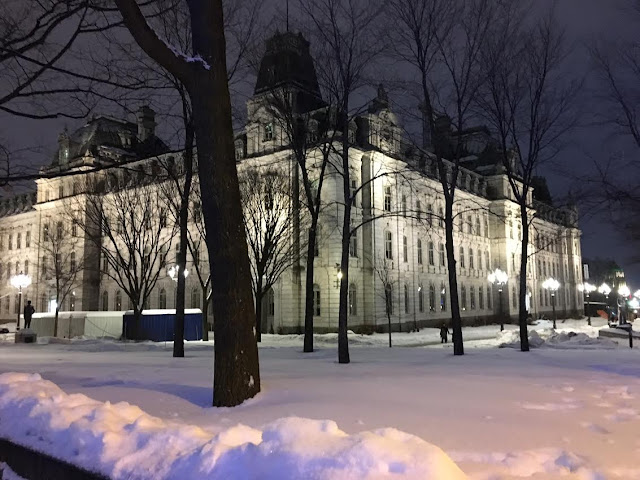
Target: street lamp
x=499 y=278
x=20 y=281
x=173 y=272
x=624 y=292
x=605 y=290
x=338 y=276
x=587 y=288
x=552 y=285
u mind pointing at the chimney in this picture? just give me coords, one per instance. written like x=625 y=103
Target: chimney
x=146 y=118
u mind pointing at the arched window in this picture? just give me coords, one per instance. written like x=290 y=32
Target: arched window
x=419 y=247
x=462 y=257
x=431 y=259
x=404 y=205
x=195 y=297
x=316 y=300
x=406 y=299
x=17 y=267
x=353 y=300
x=478 y=228
x=441 y=254
x=162 y=299
x=481 y=298
x=388 y=245
x=471 y=262
x=472 y=297
x=487 y=260
x=420 y=299
x=432 y=298
x=463 y=297
x=105 y=301
x=443 y=297
x=405 y=249
x=117 y=304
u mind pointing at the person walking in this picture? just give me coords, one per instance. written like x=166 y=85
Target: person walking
x=28 y=314
x=444 y=331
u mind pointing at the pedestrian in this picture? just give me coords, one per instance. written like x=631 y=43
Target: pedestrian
x=444 y=331
x=28 y=314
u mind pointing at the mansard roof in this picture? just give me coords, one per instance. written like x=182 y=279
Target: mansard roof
x=17 y=204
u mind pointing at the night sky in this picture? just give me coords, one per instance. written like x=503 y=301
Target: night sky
x=585 y=20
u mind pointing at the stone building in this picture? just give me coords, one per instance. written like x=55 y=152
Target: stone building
x=401 y=237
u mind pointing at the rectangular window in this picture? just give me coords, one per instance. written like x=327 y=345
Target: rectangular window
x=441 y=254
x=405 y=249
x=316 y=300
x=19 y=241
x=10 y=241
x=431 y=254
x=353 y=300
x=471 y=259
x=353 y=244
x=472 y=298
x=419 y=247
x=420 y=299
x=388 y=246
x=387 y=199
x=268 y=132
x=430 y=214
x=462 y=263
x=481 y=298
x=404 y=205
x=443 y=297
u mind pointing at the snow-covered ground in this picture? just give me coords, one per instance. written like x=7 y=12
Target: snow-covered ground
x=568 y=409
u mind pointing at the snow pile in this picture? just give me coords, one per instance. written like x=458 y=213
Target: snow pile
x=554 y=339
x=121 y=441
x=7 y=474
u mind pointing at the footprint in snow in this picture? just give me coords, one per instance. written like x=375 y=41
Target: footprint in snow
x=595 y=428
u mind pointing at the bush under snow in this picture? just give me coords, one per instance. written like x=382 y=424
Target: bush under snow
x=123 y=442
x=549 y=337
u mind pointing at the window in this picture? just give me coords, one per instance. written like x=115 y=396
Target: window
x=195 y=297
x=471 y=263
x=163 y=219
x=420 y=299
x=432 y=297
x=105 y=301
x=162 y=299
x=405 y=249
x=2 y=242
x=481 y=298
x=18 y=241
x=59 y=230
x=486 y=228
x=387 y=199
x=354 y=187
x=472 y=297
x=8 y=270
x=430 y=253
x=480 y=260
x=43 y=267
x=268 y=132
x=316 y=300
x=430 y=214
x=462 y=264
x=440 y=217
x=72 y=262
x=489 y=296
x=60 y=191
x=404 y=205
x=406 y=299
x=443 y=297
x=469 y=225
x=117 y=304
x=463 y=297
x=478 y=229
x=418 y=209
x=353 y=244
x=353 y=300
x=10 y=241
x=388 y=297
x=441 y=254
x=487 y=260
x=74 y=229
x=17 y=268
x=46 y=195
x=419 y=248
x=514 y=296
x=26 y=267
x=388 y=246
x=7 y=307
x=105 y=263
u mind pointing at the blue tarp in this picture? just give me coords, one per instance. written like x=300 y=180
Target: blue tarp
x=158 y=327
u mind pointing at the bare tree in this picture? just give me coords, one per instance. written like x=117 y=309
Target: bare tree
x=527 y=100
x=119 y=215
x=348 y=40
x=268 y=209
x=61 y=260
x=388 y=282
x=447 y=35
x=203 y=72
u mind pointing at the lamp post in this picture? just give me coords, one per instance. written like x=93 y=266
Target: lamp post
x=587 y=288
x=499 y=278
x=624 y=292
x=552 y=285
x=173 y=272
x=20 y=281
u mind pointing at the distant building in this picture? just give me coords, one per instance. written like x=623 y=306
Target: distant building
x=487 y=233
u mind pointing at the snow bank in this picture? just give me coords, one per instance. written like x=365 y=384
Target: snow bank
x=554 y=339
x=123 y=442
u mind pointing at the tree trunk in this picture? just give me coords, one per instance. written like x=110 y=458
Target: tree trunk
x=236 y=368
x=55 y=322
x=456 y=320
x=205 y=314
x=259 y=294
x=522 y=310
x=343 y=341
x=308 y=288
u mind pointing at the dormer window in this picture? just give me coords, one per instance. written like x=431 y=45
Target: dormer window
x=268 y=132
